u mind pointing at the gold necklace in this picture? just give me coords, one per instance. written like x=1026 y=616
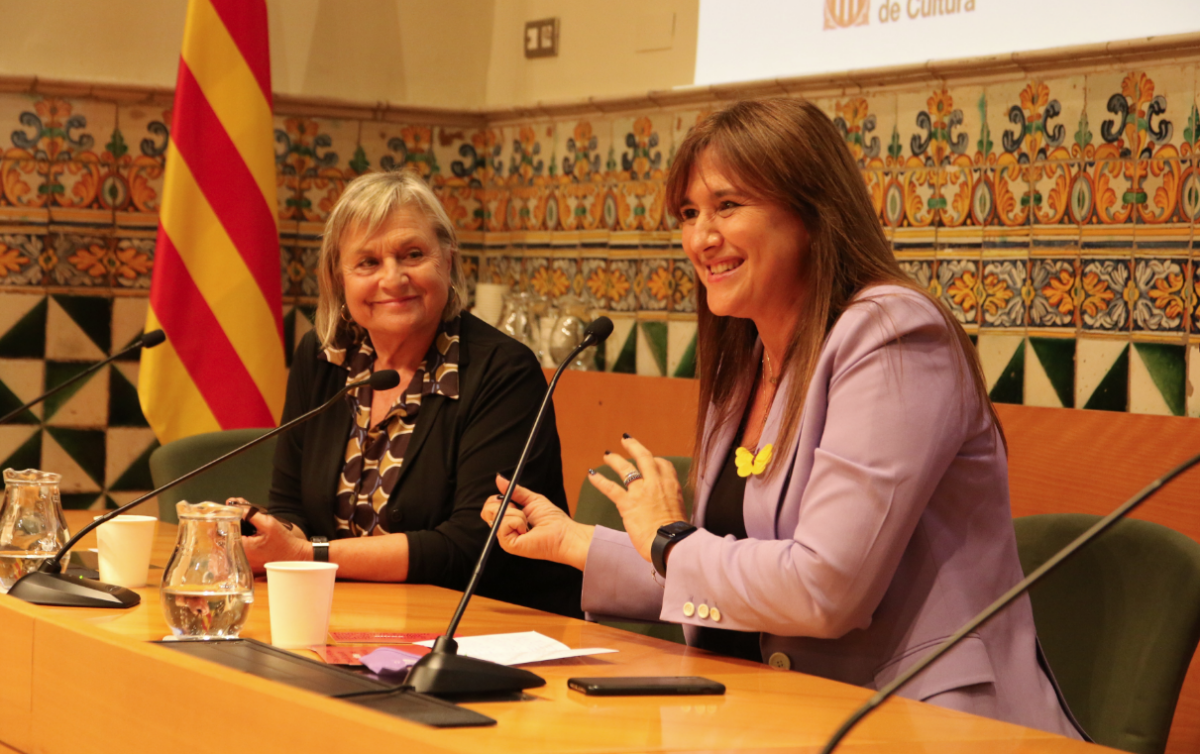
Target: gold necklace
x=747 y=461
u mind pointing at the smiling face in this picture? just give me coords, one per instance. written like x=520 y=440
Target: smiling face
x=748 y=251
x=397 y=279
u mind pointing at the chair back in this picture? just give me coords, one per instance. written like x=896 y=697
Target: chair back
x=247 y=475
x=596 y=509
x=1118 y=622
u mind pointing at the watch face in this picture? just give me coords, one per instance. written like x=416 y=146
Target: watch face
x=671 y=530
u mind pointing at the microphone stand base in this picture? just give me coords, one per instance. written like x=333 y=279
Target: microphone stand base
x=61 y=590
x=446 y=674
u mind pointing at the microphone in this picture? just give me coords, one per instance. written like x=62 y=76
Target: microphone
x=149 y=340
x=50 y=586
x=444 y=672
x=990 y=611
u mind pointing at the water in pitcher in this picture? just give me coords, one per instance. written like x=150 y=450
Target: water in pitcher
x=195 y=612
x=16 y=563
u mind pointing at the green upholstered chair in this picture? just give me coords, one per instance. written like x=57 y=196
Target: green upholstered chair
x=247 y=475
x=1118 y=623
x=594 y=508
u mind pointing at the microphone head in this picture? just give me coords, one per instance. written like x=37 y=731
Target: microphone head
x=599 y=330
x=385 y=379
x=153 y=338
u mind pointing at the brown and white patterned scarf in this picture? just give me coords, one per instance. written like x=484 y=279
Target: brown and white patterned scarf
x=374 y=455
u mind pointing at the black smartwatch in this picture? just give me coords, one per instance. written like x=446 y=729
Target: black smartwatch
x=320 y=549
x=668 y=536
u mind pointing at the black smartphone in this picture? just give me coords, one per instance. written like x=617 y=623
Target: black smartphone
x=663 y=685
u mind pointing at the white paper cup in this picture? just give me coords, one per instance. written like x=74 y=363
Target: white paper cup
x=124 y=544
x=489 y=302
x=299 y=598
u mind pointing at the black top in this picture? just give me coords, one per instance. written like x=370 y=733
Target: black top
x=449 y=469
x=723 y=515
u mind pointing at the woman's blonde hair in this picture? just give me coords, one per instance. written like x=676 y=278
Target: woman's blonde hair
x=788 y=151
x=366 y=205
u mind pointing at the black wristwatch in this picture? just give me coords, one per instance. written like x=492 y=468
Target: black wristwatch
x=320 y=549
x=668 y=536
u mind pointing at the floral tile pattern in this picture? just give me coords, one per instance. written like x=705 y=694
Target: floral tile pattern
x=1159 y=304
x=961 y=288
x=1000 y=293
x=1056 y=291
x=1106 y=288
x=1049 y=208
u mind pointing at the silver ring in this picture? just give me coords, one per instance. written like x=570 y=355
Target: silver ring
x=632 y=477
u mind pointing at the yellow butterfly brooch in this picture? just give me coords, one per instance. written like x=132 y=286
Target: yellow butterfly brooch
x=749 y=463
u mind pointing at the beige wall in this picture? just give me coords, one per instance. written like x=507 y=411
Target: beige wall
x=434 y=53
x=598 y=49
x=419 y=52
x=431 y=53
x=108 y=41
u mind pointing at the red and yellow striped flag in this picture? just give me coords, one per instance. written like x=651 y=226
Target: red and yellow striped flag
x=216 y=289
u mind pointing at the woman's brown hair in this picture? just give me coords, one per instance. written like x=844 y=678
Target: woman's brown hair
x=788 y=151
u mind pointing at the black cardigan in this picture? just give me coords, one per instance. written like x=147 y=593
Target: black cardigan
x=449 y=468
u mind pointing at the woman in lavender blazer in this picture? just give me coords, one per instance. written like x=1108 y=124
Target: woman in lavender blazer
x=851 y=480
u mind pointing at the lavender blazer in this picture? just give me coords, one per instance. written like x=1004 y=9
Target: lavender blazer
x=887 y=529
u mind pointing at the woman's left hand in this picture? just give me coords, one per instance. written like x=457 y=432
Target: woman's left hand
x=654 y=500
x=275 y=539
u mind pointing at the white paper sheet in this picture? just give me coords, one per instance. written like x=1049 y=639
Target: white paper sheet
x=517 y=648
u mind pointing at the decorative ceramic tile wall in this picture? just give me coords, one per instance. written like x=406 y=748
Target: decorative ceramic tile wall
x=1054 y=216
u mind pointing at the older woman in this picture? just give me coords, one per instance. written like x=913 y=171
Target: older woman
x=851 y=483
x=389 y=485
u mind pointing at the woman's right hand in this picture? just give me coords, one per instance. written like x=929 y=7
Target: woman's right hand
x=533 y=527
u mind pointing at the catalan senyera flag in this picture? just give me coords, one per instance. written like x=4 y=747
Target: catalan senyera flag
x=216 y=288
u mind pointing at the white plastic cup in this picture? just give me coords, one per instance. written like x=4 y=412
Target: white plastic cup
x=125 y=543
x=300 y=597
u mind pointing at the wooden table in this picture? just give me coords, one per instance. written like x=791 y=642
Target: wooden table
x=79 y=680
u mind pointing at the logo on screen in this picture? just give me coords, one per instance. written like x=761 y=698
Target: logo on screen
x=840 y=14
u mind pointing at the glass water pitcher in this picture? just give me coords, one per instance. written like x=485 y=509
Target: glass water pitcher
x=208 y=586
x=32 y=528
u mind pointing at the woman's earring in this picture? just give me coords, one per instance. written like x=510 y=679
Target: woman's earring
x=346 y=315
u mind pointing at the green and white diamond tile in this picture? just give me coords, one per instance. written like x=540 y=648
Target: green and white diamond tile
x=93 y=433
x=79 y=456
x=681 y=347
x=128 y=320
x=620 y=350
x=1003 y=361
x=78 y=328
x=20 y=446
x=1050 y=372
x=1193 y=378
x=124 y=409
x=652 y=347
x=1102 y=374
x=127 y=459
x=83 y=404
x=22 y=380
x=1158 y=379
x=22 y=325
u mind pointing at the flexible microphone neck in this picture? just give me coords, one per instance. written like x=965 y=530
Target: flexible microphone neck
x=1020 y=588
x=595 y=333
x=382 y=380
x=443 y=672
x=149 y=340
